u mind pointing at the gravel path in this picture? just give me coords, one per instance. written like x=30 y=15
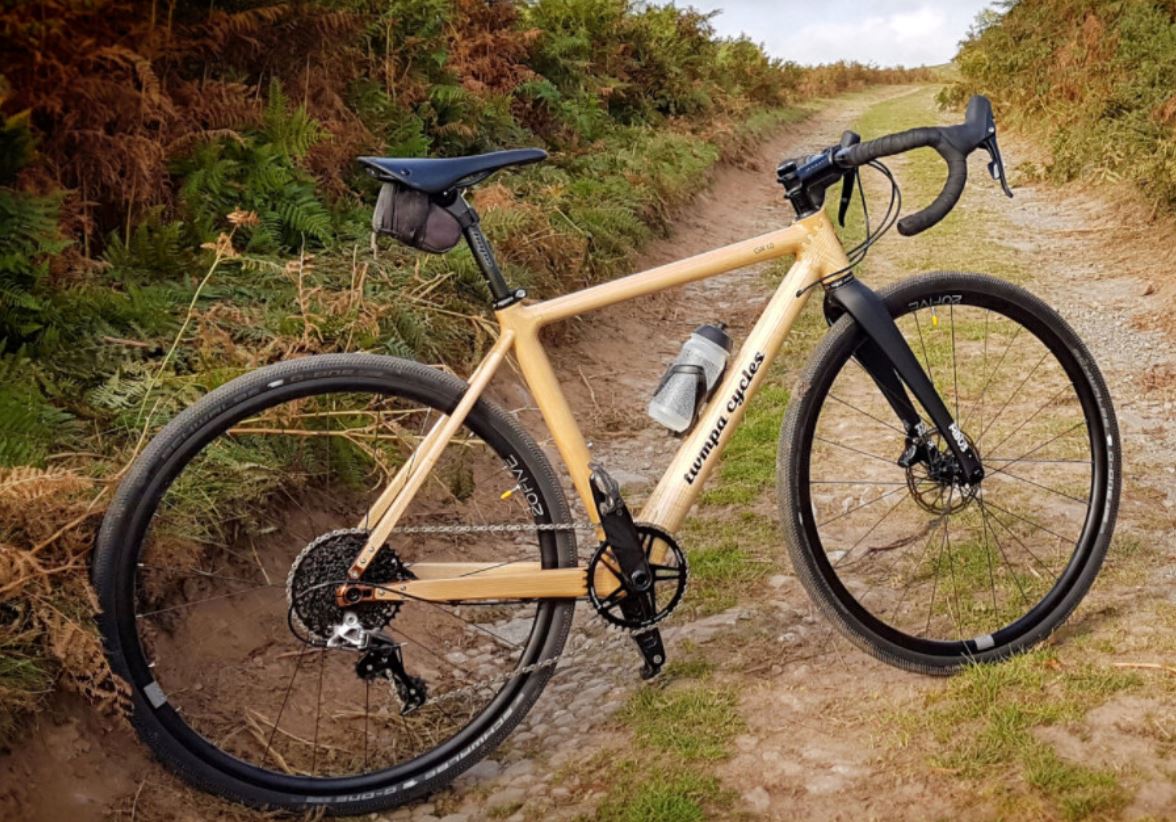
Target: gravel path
x=534 y=775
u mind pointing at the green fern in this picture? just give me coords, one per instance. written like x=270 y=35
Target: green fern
x=291 y=131
x=16 y=146
x=402 y=132
x=30 y=426
x=258 y=176
x=153 y=247
x=28 y=237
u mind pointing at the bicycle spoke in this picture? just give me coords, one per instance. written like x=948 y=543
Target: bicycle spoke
x=1002 y=473
x=955 y=590
x=863 y=505
x=983 y=370
x=1000 y=547
x=889 y=393
x=935 y=576
x=1028 y=419
x=995 y=370
x=1051 y=440
x=1012 y=460
x=317 y=714
x=988 y=561
x=922 y=555
x=867 y=414
x=216 y=598
x=282 y=708
x=1036 y=525
x=367 y=702
x=869 y=531
x=923 y=344
x=1016 y=391
x=857 y=451
x=1024 y=547
x=955 y=372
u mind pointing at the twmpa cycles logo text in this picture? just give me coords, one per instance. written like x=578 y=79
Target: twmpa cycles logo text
x=738 y=397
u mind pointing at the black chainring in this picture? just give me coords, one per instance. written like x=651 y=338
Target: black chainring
x=322 y=567
x=664 y=574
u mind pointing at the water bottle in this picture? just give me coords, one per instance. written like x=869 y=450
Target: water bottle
x=691 y=378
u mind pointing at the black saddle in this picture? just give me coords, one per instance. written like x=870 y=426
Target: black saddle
x=434 y=175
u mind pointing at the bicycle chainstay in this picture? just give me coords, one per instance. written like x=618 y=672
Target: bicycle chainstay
x=571 y=656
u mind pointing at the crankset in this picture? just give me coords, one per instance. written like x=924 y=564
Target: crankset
x=668 y=582
x=646 y=592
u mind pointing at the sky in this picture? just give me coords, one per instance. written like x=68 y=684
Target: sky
x=888 y=33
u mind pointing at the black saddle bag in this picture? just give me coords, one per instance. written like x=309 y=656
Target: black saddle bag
x=414 y=219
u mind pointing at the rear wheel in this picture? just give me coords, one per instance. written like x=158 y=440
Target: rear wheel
x=216 y=566
x=918 y=569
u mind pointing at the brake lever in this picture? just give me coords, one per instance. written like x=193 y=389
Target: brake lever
x=996 y=164
x=848 y=138
x=846 y=194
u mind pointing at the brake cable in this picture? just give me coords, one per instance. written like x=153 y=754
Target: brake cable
x=858 y=253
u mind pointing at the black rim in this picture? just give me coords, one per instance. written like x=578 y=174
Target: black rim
x=381 y=782
x=897 y=302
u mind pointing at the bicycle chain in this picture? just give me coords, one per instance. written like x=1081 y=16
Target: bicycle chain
x=484 y=529
x=590 y=644
x=612 y=633
x=571 y=656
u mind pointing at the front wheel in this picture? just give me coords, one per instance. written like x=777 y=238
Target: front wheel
x=917 y=569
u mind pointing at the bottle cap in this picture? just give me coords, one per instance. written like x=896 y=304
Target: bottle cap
x=716 y=333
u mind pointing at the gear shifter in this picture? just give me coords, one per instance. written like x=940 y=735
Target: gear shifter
x=995 y=164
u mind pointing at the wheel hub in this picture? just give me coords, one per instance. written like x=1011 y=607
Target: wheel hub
x=936 y=480
x=315 y=575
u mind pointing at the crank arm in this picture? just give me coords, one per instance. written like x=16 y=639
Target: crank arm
x=620 y=532
x=653 y=652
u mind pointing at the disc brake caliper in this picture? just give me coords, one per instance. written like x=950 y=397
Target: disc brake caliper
x=918 y=447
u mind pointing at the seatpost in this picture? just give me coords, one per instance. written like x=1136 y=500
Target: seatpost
x=468 y=219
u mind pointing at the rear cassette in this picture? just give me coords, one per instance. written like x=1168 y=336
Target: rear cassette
x=321 y=568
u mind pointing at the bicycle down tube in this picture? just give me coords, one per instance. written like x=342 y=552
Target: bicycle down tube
x=818 y=253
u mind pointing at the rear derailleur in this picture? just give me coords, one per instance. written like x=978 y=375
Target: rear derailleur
x=384 y=659
x=626 y=552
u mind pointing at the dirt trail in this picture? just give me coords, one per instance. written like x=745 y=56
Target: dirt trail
x=614 y=360
x=81 y=766
x=819 y=742
x=814 y=746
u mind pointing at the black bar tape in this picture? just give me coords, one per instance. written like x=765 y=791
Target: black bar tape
x=891 y=144
x=957 y=177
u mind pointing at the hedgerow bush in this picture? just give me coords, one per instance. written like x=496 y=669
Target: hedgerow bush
x=179 y=203
x=1095 y=78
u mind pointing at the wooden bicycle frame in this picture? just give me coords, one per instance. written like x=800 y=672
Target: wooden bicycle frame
x=818 y=252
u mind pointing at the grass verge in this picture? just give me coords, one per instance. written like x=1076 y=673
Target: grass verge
x=681 y=724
